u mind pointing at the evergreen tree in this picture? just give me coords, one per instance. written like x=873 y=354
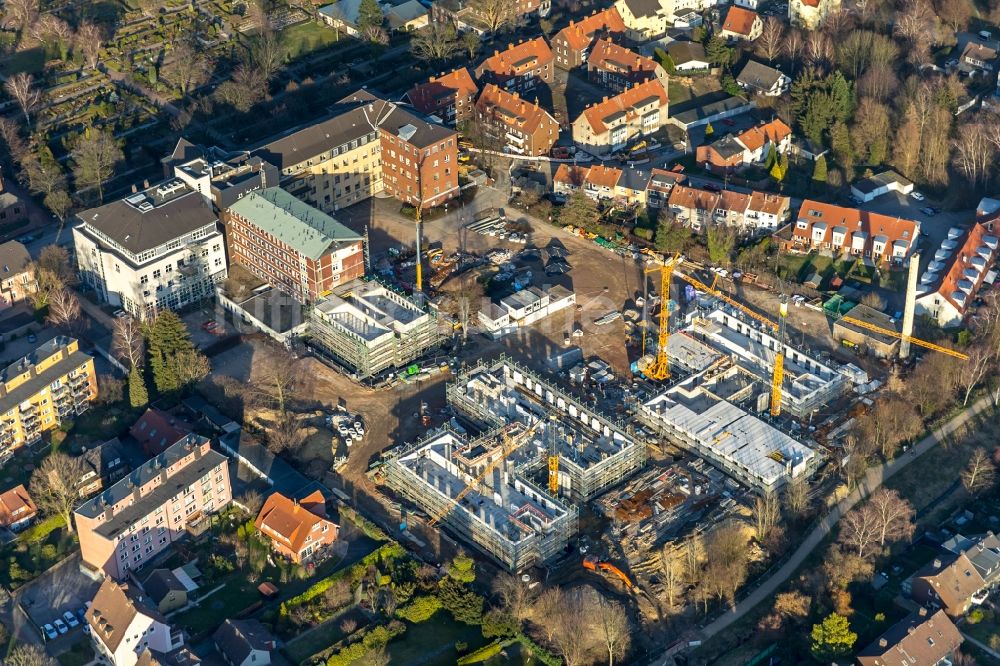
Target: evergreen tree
x=172 y=357
x=369 y=14
x=718 y=52
x=819 y=170
x=777 y=173
x=138 y=396
x=840 y=142
x=709 y=130
x=671 y=236
x=841 y=96
x=668 y=63
x=772 y=157
x=580 y=211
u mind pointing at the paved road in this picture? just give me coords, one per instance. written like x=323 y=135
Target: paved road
x=875 y=477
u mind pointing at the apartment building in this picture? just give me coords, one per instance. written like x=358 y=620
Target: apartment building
x=17 y=277
x=957 y=273
x=129 y=524
x=516 y=124
x=368 y=146
x=571 y=44
x=520 y=68
x=645 y=19
x=617 y=68
x=451 y=96
x=298 y=248
x=470 y=16
x=809 y=14
x=742 y=24
x=153 y=250
x=125 y=629
x=614 y=122
x=751 y=212
x=923 y=637
x=850 y=232
x=298 y=529
x=54 y=383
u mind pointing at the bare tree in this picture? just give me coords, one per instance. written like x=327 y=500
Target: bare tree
x=436 y=42
x=284 y=434
x=515 y=596
x=974 y=152
x=726 y=570
x=95 y=157
x=859 y=529
x=127 y=343
x=376 y=34
x=28 y=654
x=89 y=40
x=979 y=473
x=766 y=511
x=64 y=309
x=50 y=29
x=21 y=13
x=55 y=486
x=981 y=362
x=797 y=495
x=377 y=656
x=252 y=501
x=277 y=380
x=547 y=607
x=771 y=40
x=497 y=15
x=574 y=634
x=22 y=88
x=672 y=566
x=188 y=66
x=874 y=300
x=793 y=46
x=614 y=629
x=893 y=516
x=955 y=13
x=470 y=42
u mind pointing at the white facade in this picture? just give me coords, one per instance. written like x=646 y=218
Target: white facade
x=523 y=309
x=142 y=633
x=749 y=4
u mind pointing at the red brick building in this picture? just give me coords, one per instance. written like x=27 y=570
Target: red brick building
x=298 y=248
x=517 y=125
x=618 y=68
x=571 y=44
x=451 y=96
x=520 y=68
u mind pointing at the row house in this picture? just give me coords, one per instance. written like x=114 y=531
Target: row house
x=612 y=123
x=742 y=24
x=921 y=638
x=521 y=127
x=661 y=184
x=956 y=273
x=747 y=212
x=451 y=96
x=470 y=16
x=751 y=146
x=617 y=68
x=573 y=42
x=848 y=231
x=285 y=241
x=960 y=577
x=128 y=525
x=623 y=186
x=520 y=68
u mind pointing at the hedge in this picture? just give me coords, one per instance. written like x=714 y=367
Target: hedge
x=538 y=652
x=484 y=653
x=389 y=551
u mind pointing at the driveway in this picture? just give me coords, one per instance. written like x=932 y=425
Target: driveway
x=62 y=588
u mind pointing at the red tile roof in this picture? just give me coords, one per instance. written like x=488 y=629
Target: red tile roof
x=693 y=198
x=580 y=34
x=731 y=200
x=772 y=204
x=774 y=131
x=289 y=522
x=960 y=260
x=156 y=430
x=571 y=175
x=16 y=505
x=739 y=21
x=518 y=58
x=602 y=176
x=511 y=110
x=854 y=221
x=625 y=102
x=428 y=96
x=614 y=58
x=662 y=178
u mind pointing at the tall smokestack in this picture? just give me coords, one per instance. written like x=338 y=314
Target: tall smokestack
x=910 y=306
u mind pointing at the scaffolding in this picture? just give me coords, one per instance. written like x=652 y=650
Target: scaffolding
x=505 y=515
x=369 y=328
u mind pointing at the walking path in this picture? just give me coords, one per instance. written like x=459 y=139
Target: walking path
x=876 y=477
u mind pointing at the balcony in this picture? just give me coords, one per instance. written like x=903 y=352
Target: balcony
x=76 y=380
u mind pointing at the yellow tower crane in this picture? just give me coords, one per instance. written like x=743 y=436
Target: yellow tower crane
x=553 y=457
x=779 y=359
x=913 y=341
x=509 y=445
x=660 y=368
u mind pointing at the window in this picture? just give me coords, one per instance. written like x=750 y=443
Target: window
x=156 y=274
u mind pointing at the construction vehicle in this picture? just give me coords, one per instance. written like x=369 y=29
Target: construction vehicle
x=508 y=446
x=660 y=368
x=779 y=359
x=594 y=564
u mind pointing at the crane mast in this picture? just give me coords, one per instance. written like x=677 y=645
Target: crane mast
x=779 y=359
x=660 y=368
x=553 y=457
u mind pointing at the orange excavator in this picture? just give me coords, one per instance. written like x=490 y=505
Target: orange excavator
x=594 y=564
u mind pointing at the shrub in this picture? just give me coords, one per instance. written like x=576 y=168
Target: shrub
x=420 y=609
x=482 y=654
x=643 y=233
x=976 y=616
x=499 y=623
x=464 y=604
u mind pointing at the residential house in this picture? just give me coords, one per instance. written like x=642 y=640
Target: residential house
x=978 y=57
x=721 y=156
x=124 y=625
x=688 y=56
x=742 y=24
x=632 y=187
x=572 y=42
x=645 y=19
x=165 y=591
x=617 y=68
x=710 y=112
x=763 y=80
x=407 y=16
x=612 y=123
x=751 y=146
x=342 y=15
x=471 y=16
x=519 y=126
x=922 y=638
x=520 y=68
x=767 y=211
x=751 y=213
x=157 y=430
x=692 y=207
x=13 y=212
x=957 y=272
x=298 y=248
x=158 y=249
x=298 y=529
x=244 y=643
x=601 y=182
x=38 y=392
x=809 y=14
x=17 y=276
x=17 y=509
x=848 y=231
x=569 y=178
x=132 y=522
x=103 y=465
x=866 y=189
x=661 y=184
x=451 y=96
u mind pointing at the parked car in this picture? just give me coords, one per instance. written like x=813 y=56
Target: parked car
x=120 y=313
x=32 y=337
x=928 y=211
x=917 y=196
x=50 y=632
x=60 y=625
x=71 y=620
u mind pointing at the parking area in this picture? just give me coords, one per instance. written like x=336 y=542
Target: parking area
x=206 y=325
x=60 y=589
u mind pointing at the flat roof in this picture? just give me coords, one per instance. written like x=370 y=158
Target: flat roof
x=369 y=310
x=871 y=316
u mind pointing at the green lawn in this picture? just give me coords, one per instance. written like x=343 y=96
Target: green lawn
x=677 y=92
x=432 y=643
x=321 y=637
x=299 y=40
x=237 y=594
x=30 y=60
